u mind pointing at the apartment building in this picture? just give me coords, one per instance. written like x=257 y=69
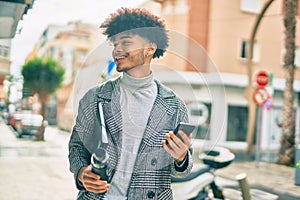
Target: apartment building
x=69 y=44
x=209 y=41
x=205 y=64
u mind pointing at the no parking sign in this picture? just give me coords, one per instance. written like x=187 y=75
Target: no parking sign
x=260 y=96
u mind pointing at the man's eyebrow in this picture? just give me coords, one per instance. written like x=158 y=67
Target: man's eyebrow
x=125 y=37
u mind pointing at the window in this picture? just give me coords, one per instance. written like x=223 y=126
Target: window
x=251 y=6
x=243 y=51
x=73 y=37
x=85 y=38
x=275 y=127
x=52 y=52
x=200 y=113
x=81 y=55
x=237 y=123
x=4 y=51
x=296 y=59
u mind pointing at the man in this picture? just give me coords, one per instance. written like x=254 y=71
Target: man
x=136 y=114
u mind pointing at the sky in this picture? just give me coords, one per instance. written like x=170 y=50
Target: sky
x=45 y=12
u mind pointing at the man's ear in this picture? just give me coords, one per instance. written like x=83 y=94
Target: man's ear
x=151 y=48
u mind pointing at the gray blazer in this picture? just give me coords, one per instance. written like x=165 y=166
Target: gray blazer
x=151 y=176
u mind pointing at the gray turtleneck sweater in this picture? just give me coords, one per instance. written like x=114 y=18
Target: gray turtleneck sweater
x=137 y=98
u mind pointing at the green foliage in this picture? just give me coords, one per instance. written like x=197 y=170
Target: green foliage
x=43 y=75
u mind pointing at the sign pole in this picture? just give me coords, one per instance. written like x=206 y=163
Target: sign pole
x=261 y=98
x=258 y=134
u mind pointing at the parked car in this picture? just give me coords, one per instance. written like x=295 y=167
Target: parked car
x=14 y=119
x=30 y=124
x=5 y=117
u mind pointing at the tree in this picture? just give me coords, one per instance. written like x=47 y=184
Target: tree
x=286 y=151
x=42 y=76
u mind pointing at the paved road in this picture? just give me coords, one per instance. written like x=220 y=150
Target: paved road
x=273 y=178
x=31 y=170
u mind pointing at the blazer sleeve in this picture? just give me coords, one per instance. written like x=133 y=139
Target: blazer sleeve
x=79 y=155
x=185 y=168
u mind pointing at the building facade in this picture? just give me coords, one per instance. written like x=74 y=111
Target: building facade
x=209 y=41
x=205 y=64
x=70 y=45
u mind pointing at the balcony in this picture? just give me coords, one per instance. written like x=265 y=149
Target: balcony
x=11 y=11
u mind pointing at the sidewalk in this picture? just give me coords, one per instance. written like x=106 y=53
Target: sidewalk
x=32 y=170
x=270 y=177
x=39 y=170
x=264 y=176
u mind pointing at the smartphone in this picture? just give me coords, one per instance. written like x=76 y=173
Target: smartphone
x=185 y=127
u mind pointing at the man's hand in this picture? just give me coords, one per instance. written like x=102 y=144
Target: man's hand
x=91 y=181
x=177 y=147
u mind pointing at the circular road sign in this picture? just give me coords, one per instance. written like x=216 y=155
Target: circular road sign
x=260 y=96
x=262 y=78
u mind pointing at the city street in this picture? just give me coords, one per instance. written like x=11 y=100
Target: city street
x=35 y=170
x=232 y=68
x=39 y=170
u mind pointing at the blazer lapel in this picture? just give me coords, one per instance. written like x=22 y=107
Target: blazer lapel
x=109 y=96
x=160 y=115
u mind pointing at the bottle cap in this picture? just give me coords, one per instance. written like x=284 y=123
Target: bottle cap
x=99 y=157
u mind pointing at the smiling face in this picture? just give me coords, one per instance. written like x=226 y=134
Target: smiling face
x=132 y=54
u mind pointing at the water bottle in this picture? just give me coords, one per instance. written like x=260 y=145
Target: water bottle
x=99 y=163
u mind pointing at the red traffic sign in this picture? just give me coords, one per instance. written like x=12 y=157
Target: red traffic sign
x=260 y=96
x=262 y=78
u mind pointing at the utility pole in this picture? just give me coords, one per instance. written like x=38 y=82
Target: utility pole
x=249 y=89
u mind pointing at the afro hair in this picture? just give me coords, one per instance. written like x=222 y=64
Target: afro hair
x=137 y=21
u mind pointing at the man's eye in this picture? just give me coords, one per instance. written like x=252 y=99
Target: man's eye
x=125 y=43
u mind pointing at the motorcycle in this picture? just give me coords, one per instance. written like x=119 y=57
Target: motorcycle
x=200 y=183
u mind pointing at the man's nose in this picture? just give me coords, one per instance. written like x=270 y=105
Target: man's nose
x=118 y=48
